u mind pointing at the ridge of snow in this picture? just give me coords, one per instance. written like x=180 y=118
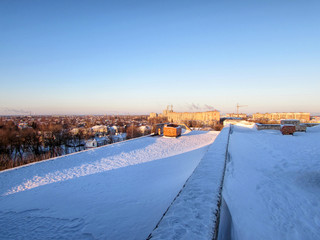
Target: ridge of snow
x=193 y=214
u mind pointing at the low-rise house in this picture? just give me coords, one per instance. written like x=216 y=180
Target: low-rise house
x=91 y=143
x=99 y=129
x=144 y=129
x=118 y=137
x=23 y=125
x=97 y=142
x=113 y=129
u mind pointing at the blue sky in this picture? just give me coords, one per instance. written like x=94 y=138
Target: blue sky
x=98 y=57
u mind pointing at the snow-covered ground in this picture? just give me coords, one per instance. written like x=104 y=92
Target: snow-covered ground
x=193 y=214
x=272 y=184
x=118 y=191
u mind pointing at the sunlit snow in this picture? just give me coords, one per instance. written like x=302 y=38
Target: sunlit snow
x=115 y=192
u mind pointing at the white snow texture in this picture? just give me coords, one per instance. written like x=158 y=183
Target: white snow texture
x=193 y=214
x=118 y=191
x=272 y=184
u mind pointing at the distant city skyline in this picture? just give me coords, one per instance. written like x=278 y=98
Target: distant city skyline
x=124 y=57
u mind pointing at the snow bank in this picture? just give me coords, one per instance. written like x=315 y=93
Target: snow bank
x=272 y=184
x=193 y=214
x=118 y=191
x=246 y=124
x=314 y=129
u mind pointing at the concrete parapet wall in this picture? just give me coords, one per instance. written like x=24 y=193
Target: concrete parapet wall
x=299 y=128
x=310 y=124
x=268 y=126
x=194 y=214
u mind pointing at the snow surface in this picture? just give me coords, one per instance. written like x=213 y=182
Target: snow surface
x=118 y=191
x=193 y=213
x=272 y=184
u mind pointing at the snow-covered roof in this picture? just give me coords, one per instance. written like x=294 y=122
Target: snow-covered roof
x=193 y=214
x=272 y=183
x=78 y=196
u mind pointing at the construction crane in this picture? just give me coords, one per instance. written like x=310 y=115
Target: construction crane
x=239 y=106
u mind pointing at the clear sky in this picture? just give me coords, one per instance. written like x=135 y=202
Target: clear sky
x=98 y=57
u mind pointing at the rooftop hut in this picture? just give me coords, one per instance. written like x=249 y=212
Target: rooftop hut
x=171 y=130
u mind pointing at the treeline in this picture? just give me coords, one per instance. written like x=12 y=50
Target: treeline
x=134 y=132
x=217 y=126
x=22 y=146
x=36 y=143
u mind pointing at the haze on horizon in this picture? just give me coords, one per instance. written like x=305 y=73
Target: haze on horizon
x=84 y=57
